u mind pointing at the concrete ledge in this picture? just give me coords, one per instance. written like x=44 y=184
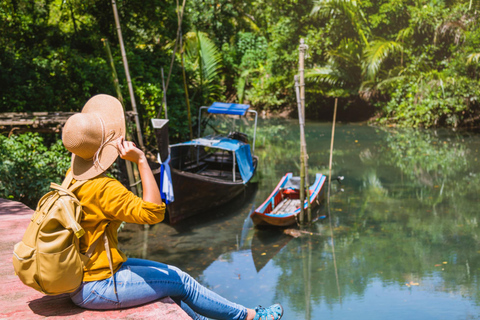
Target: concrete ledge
x=18 y=301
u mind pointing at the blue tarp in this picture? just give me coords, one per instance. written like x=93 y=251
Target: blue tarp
x=166 y=187
x=228 y=108
x=243 y=155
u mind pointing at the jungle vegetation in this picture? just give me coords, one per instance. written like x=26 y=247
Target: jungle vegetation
x=406 y=62
x=410 y=63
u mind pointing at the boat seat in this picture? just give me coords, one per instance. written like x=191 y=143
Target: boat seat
x=287 y=205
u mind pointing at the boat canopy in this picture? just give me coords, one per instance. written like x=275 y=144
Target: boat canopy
x=228 y=108
x=242 y=152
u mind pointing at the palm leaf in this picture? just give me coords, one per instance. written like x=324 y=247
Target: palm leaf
x=389 y=81
x=210 y=56
x=474 y=57
x=348 y=52
x=326 y=75
x=346 y=8
x=378 y=51
x=404 y=34
x=205 y=60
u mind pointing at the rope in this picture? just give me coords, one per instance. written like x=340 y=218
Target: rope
x=110 y=138
x=134 y=184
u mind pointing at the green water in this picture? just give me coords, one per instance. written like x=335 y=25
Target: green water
x=405 y=245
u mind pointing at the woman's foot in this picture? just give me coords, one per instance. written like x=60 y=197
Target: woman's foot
x=274 y=312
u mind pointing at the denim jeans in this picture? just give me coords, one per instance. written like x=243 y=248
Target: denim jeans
x=140 y=281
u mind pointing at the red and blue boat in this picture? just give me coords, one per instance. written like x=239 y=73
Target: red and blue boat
x=283 y=205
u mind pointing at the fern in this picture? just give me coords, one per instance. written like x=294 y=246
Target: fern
x=206 y=62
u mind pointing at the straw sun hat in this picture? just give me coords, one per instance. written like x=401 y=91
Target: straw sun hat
x=92 y=136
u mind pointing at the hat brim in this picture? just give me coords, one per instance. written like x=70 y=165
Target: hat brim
x=87 y=169
x=110 y=110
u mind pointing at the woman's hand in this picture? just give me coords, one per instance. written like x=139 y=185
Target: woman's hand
x=129 y=151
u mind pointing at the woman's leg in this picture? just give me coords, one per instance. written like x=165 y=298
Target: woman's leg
x=140 y=281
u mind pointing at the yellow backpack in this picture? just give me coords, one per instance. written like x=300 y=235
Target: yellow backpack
x=48 y=258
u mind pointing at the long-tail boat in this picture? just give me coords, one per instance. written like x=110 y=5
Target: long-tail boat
x=282 y=207
x=211 y=170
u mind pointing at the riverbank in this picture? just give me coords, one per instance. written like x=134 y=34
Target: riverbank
x=18 y=301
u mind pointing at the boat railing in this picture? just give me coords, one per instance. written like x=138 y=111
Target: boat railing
x=216 y=163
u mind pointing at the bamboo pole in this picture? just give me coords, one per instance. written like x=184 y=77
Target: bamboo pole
x=306 y=250
x=164 y=98
x=131 y=170
x=301 y=61
x=328 y=198
x=304 y=47
x=127 y=74
x=180 y=18
x=116 y=83
x=304 y=183
x=301 y=217
x=187 y=99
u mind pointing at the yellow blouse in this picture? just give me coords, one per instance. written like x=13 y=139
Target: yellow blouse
x=105 y=201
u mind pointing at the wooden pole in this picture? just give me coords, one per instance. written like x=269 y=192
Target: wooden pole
x=127 y=74
x=131 y=170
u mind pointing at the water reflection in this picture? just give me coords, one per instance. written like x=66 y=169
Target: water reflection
x=405 y=229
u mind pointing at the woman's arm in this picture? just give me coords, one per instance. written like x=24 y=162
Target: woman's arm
x=128 y=151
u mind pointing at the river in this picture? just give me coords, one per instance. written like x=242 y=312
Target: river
x=401 y=242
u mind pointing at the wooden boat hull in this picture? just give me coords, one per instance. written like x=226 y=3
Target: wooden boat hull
x=271 y=211
x=206 y=172
x=260 y=220
x=199 y=194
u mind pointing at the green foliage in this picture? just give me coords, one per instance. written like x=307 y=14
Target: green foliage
x=27 y=166
x=376 y=53
x=414 y=60
x=205 y=61
x=52 y=57
x=247 y=58
x=385 y=52
x=431 y=102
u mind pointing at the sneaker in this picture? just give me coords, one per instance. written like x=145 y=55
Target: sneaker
x=274 y=312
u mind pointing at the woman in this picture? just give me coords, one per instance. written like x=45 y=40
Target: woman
x=96 y=138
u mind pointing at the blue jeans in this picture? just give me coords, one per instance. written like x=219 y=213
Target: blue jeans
x=141 y=281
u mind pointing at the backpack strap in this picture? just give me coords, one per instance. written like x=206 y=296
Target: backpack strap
x=87 y=255
x=109 y=255
x=65 y=187
x=76 y=185
x=92 y=248
x=68 y=179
